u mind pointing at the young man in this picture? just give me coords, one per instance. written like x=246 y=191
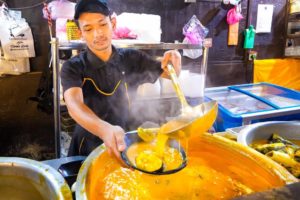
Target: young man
x=96 y=82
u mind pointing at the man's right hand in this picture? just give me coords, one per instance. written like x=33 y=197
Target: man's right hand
x=113 y=138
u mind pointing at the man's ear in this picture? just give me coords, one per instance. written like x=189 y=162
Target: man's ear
x=80 y=34
x=113 y=22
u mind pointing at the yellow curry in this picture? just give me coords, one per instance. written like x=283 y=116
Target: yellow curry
x=213 y=172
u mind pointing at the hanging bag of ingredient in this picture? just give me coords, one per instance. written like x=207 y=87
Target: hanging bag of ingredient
x=15 y=35
x=194 y=33
x=13 y=66
x=249 y=34
x=62 y=11
x=233 y=17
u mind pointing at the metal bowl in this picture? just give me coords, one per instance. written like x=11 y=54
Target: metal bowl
x=22 y=178
x=133 y=138
x=194 y=126
x=262 y=131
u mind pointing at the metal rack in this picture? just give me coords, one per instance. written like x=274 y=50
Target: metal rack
x=56 y=46
x=292 y=48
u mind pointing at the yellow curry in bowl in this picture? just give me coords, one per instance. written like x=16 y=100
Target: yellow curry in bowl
x=160 y=156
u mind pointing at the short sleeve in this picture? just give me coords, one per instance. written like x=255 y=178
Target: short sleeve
x=71 y=75
x=142 y=67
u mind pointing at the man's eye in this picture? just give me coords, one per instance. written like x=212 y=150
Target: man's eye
x=103 y=24
x=87 y=30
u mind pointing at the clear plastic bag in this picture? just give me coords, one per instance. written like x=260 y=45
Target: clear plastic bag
x=60 y=9
x=194 y=33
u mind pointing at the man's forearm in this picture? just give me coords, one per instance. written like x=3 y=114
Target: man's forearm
x=86 y=118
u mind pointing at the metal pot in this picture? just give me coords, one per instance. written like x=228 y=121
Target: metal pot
x=263 y=170
x=22 y=178
x=262 y=131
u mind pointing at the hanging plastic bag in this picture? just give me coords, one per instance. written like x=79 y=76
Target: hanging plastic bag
x=233 y=16
x=15 y=35
x=60 y=9
x=249 y=37
x=13 y=66
x=194 y=33
x=123 y=33
x=16 y=39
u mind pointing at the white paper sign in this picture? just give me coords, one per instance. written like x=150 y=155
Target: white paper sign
x=264 y=18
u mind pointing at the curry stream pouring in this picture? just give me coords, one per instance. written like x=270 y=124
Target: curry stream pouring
x=154 y=155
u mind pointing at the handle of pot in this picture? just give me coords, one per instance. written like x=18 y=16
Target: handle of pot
x=69 y=168
x=177 y=87
x=73 y=187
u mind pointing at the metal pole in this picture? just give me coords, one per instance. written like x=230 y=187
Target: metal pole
x=206 y=44
x=56 y=94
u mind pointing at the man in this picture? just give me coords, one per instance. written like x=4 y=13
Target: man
x=96 y=81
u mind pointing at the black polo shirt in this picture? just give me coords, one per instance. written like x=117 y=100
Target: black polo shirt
x=99 y=81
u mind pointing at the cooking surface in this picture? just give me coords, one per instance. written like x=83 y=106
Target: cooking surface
x=207 y=176
x=287 y=192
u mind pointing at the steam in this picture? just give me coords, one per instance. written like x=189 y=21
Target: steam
x=149 y=112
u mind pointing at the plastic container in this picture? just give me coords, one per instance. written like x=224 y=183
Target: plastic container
x=249 y=103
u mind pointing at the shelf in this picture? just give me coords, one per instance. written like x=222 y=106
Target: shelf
x=295 y=14
x=293 y=20
x=71 y=45
x=292 y=51
x=81 y=45
x=159 y=46
x=292 y=36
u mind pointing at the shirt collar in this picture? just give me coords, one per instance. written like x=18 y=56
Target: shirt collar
x=97 y=63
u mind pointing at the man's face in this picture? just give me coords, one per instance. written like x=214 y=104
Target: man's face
x=96 y=30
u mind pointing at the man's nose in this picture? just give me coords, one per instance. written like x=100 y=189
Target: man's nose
x=98 y=32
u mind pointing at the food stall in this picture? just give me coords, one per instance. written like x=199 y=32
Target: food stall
x=227 y=127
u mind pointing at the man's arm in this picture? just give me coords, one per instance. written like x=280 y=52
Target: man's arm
x=112 y=136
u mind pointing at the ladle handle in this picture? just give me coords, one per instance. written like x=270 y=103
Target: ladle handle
x=177 y=87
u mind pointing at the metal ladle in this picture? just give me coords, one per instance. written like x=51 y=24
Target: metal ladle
x=185 y=107
x=192 y=120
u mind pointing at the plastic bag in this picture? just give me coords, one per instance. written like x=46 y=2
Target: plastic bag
x=194 y=33
x=13 y=66
x=123 y=33
x=233 y=16
x=60 y=9
x=146 y=27
x=16 y=39
x=15 y=35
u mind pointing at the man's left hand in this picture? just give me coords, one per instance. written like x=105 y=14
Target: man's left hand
x=173 y=57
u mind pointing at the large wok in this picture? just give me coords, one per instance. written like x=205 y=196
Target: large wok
x=222 y=155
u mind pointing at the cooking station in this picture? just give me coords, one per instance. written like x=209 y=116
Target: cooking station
x=206 y=91
x=69 y=167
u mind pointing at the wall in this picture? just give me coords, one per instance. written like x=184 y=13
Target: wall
x=24 y=130
x=227 y=64
x=22 y=125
